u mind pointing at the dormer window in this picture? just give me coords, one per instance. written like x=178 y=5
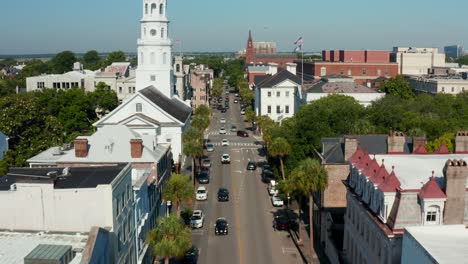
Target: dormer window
x=139 y=107
x=432 y=215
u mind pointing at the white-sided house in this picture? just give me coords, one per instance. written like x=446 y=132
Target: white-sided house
x=150 y=112
x=278 y=96
x=3 y=144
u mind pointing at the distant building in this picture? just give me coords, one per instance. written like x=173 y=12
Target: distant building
x=417 y=61
x=181 y=87
x=3 y=145
x=254 y=71
x=72 y=200
x=279 y=95
x=337 y=84
x=435 y=84
x=454 y=51
x=266 y=52
x=201 y=83
x=120 y=78
x=363 y=66
x=435 y=244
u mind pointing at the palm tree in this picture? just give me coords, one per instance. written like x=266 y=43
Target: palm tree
x=308 y=177
x=193 y=146
x=177 y=190
x=170 y=238
x=202 y=110
x=279 y=147
x=200 y=122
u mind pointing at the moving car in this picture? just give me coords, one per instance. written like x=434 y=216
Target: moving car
x=221 y=226
x=281 y=223
x=223 y=195
x=277 y=201
x=209 y=147
x=222 y=120
x=191 y=256
x=197 y=219
x=236 y=101
x=233 y=128
x=224 y=143
x=223 y=110
x=204 y=177
x=225 y=159
x=272 y=188
x=242 y=133
x=252 y=165
x=242 y=111
x=201 y=194
x=222 y=131
x=206 y=163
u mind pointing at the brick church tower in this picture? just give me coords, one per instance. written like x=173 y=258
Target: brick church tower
x=250 y=50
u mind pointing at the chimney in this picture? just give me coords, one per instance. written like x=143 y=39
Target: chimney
x=461 y=142
x=350 y=146
x=396 y=142
x=81 y=147
x=136 y=148
x=417 y=141
x=291 y=67
x=456 y=174
x=272 y=68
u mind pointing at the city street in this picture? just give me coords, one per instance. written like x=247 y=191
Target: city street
x=249 y=211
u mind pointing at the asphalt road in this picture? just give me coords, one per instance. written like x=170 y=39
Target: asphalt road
x=249 y=212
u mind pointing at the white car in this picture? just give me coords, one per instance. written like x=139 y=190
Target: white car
x=209 y=147
x=197 y=219
x=222 y=120
x=222 y=131
x=272 y=188
x=242 y=111
x=224 y=143
x=276 y=201
x=201 y=194
x=225 y=158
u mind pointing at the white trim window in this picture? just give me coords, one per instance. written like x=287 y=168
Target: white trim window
x=432 y=215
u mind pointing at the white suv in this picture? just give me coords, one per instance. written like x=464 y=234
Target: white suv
x=225 y=158
x=222 y=120
x=201 y=194
x=222 y=131
x=197 y=219
x=224 y=143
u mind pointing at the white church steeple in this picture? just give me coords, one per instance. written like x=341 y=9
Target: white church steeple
x=155 y=49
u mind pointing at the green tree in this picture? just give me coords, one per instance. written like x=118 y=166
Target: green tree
x=463 y=60
x=91 y=60
x=308 y=177
x=446 y=139
x=264 y=122
x=104 y=99
x=7 y=62
x=203 y=110
x=62 y=62
x=398 y=86
x=34 y=68
x=200 y=122
x=170 y=238
x=218 y=85
x=178 y=189
x=192 y=141
x=115 y=56
x=280 y=148
x=250 y=115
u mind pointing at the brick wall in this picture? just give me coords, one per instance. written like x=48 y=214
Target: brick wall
x=335 y=193
x=357 y=69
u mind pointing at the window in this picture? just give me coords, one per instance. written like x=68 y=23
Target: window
x=120 y=89
x=153 y=8
x=178 y=68
x=453 y=89
x=443 y=89
x=341 y=72
x=139 y=107
x=40 y=85
x=386 y=71
x=152 y=58
x=364 y=71
x=142 y=58
x=161 y=9
x=129 y=90
x=278 y=109
x=146 y=9
x=431 y=215
x=164 y=58
x=287 y=94
x=134 y=90
x=379 y=72
x=286 y=109
x=162 y=33
x=323 y=71
x=153 y=32
x=269 y=109
x=153 y=78
x=278 y=94
x=350 y=72
x=269 y=94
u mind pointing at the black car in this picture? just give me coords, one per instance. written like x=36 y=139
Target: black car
x=242 y=133
x=191 y=256
x=223 y=110
x=281 y=223
x=226 y=106
x=267 y=176
x=204 y=177
x=252 y=165
x=223 y=195
x=221 y=226
x=266 y=166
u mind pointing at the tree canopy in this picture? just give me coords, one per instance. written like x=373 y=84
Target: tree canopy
x=62 y=62
x=91 y=60
x=178 y=189
x=398 y=86
x=115 y=56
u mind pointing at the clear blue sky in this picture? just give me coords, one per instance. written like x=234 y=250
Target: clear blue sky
x=50 y=26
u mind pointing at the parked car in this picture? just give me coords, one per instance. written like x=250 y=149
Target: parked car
x=206 y=163
x=223 y=195
x=191 y=256
x=222 y=131
x=209 y=147
x=223 y=110
x=236 y=101
x=197 y=219
x=251 y=165
x=242 y=111
x=233 y=128
x=204 y=177
x=277 y=201
x=221 y=226
x=201 y=194
x=225 y=159
x=222 y=120
x=272 y=188
x=281 y=223
x=242 y=133
x=224 y=143
x=267 y=176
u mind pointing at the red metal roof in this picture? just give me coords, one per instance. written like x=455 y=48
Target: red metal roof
x=442 y=149
x=431 y=190
x=390 y=184
x=357 y=155
x=381 y=174
x=372 y=168
x=421 y=149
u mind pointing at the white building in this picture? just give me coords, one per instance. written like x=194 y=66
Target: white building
x=435 y=84
x=180 y=79
x=155 y=49
x=72 y=200
x=417 y=61
x=3 y=145
x=83 y=79
x=340 y=85
x=278 y=96
x=435 y=244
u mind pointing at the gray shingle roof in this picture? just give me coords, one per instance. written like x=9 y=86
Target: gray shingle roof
x=278 y=78
x=172 y=106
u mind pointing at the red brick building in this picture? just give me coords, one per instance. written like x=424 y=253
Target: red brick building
x=363 y=66
x=258 y=54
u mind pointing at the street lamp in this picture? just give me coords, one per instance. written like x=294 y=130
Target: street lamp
x=168 y=208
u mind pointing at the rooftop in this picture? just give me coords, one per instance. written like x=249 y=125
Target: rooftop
x=172 y=106
x=337 y=87
x=445 y=243
x=15 y=246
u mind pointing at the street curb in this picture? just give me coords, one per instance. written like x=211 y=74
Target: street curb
x=293 y=237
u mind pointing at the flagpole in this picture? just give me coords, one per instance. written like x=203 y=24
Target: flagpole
x=302 y=70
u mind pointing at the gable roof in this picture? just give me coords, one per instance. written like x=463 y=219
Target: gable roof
x=431 y=190
x=173 y=107
x=278 y=78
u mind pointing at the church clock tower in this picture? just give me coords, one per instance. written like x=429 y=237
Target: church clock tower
x=155 y=49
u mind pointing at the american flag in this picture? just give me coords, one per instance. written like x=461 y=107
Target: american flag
x=299 y=41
